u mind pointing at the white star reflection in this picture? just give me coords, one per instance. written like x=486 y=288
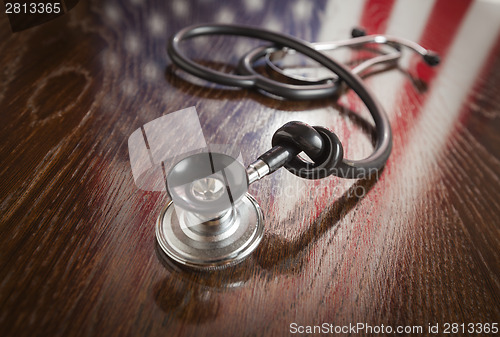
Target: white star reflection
x=128 y=87
x=273 y=23
x=254 y=5
x=225 y=15
x=132 y=43
x=302 y=9
x=113 y=13
x=180 y=8
x=150 y=71
x=156 y=24
x=110 y=60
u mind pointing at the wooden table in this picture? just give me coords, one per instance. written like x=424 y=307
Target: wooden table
x=419 y=244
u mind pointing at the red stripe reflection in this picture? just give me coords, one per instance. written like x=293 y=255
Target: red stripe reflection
x=445 y=20
x=376 y=15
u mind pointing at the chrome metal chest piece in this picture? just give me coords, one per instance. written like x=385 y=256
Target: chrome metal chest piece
x=211 y=221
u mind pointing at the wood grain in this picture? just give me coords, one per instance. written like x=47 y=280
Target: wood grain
x=418 y=244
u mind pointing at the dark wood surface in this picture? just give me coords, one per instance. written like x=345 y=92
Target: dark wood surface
x=418 y=245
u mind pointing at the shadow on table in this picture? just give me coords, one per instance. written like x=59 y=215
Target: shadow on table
x=193 y=296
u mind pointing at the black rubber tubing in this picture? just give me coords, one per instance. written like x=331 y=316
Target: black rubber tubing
x=347 y=168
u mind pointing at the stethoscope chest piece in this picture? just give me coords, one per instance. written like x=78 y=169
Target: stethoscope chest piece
x=211 y=221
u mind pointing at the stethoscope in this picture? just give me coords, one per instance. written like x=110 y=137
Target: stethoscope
x=212 y=221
